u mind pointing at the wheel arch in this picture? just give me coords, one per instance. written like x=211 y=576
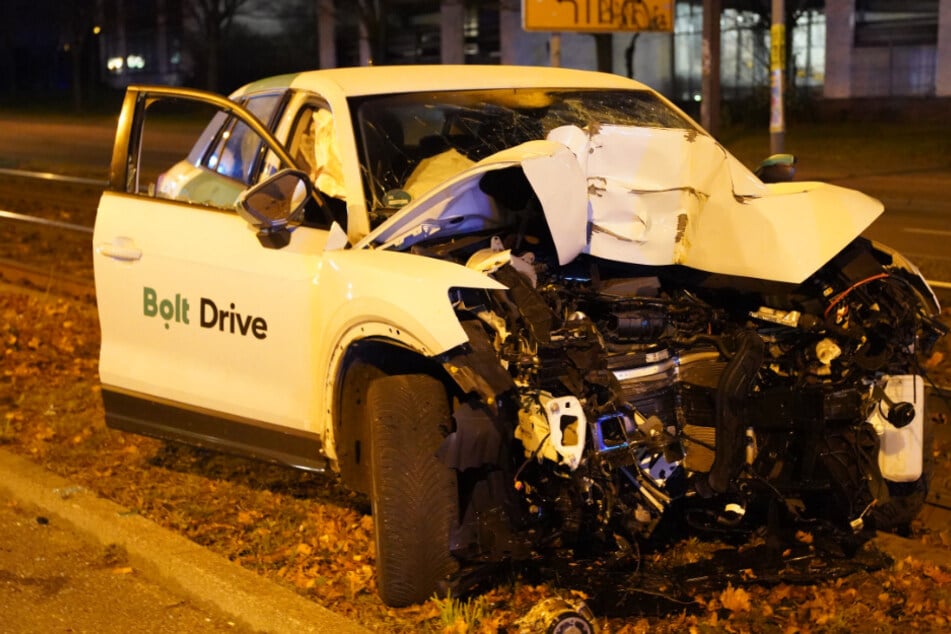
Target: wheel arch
x=363 y=361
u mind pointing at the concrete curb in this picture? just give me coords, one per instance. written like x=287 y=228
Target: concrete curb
x=208 y=579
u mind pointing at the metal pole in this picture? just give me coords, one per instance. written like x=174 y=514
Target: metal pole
x=327 y=33
x=710 y=72
x=554 y=45
x=777 y=65
x=452 y=40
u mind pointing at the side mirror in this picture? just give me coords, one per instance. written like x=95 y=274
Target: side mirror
x=273 y=203
x=778 y=168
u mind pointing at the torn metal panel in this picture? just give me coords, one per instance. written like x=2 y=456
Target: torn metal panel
x=456 y=206
x=662 y=196
x=649 y=196
x=784 y=236
x=560 y=183
x=645 y=185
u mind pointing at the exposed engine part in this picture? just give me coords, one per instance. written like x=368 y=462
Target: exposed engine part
x=638 y=325
x=902 y=440
x=732 y=392
x=558 y=616
x=552 y=428
x=612 y=432
x=827 y=351
x=635 y=392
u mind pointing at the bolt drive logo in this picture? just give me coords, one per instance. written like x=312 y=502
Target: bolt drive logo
x=176 y=310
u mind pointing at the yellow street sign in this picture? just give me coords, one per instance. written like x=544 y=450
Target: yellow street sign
x=598 y=15
x=777 y=46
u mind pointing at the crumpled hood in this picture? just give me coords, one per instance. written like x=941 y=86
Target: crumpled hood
x=654 y=197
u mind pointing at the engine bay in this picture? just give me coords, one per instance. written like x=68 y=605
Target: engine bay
x=627 y=390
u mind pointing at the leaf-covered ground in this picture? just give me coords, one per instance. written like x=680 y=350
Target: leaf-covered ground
x=309 y=533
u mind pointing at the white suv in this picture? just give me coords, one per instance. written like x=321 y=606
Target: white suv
x=523 y=309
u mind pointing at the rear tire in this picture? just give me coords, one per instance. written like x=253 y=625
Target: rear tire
x=414 y=495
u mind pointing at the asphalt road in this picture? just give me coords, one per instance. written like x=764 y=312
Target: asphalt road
x=73 y=562
x=53 y=579
x=60 y=145
x=917 y=218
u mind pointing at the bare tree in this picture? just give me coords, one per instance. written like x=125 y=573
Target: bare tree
x=212 y=21
x=629 y=51
x=326 y=31
x=373 y=27
x=75 y=20
x=604 y=51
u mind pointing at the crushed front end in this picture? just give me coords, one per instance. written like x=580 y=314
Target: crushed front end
x=632 y=393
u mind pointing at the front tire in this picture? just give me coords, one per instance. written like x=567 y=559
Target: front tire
x=414 y=495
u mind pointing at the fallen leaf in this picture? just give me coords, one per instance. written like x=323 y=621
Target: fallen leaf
x=935 y=573
x=804 y=537
x=735 y=599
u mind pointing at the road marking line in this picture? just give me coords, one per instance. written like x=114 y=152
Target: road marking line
x=12 y=215
x=937 y=232
x=918 y=258
x=55 y=177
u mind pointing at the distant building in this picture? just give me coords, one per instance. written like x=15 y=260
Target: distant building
x=142 y=41
x=888 y=48
x=846 y=48
x=839 y=48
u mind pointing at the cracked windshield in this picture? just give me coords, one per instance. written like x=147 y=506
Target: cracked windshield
x=411 y=142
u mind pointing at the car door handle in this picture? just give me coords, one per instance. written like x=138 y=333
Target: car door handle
x=120 y=248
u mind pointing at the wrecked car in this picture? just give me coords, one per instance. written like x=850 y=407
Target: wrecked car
x=524 y=310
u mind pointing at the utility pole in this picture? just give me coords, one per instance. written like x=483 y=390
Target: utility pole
x=326 y=33
x=710 y=67
x=161 y=39
x=777 y=67
x=510 y=29
x=452 y=14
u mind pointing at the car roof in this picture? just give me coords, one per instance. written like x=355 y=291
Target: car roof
x=375 y=80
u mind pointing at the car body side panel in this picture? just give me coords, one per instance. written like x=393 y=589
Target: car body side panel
x=159 y=337
x=205 y=315
x=409 y=293
x=397 y=297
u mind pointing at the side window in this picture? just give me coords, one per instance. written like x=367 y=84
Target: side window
x=235 y=154
x=237 y=149
x=173 y=134
x=193 y=152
